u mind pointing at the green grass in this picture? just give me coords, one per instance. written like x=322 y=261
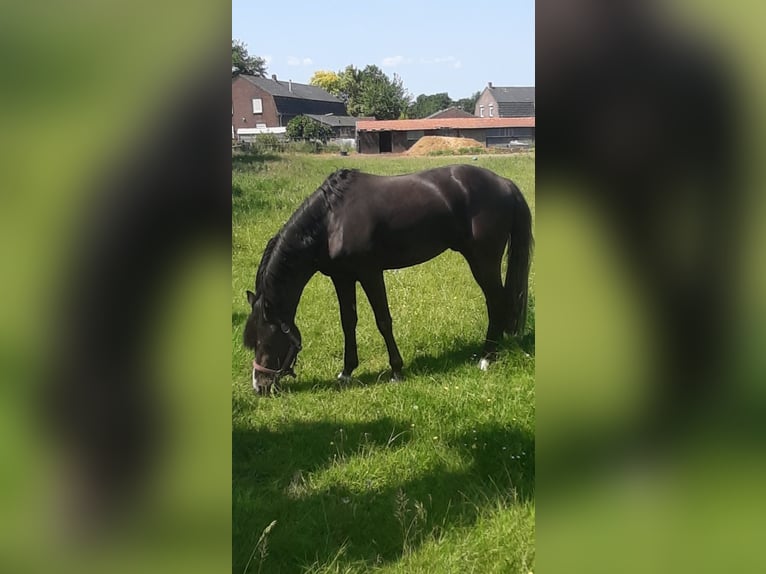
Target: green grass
x=434 y=474
x=459 y=151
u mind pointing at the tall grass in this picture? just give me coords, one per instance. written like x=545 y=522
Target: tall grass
x=435 y=473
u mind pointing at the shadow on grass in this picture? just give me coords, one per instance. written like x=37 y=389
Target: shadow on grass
x=361 y=522
x=461 y=353
x=527 y=343
x=247 y=160
x=238 y=317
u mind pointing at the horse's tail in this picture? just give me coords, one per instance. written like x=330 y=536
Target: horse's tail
x=520 y=244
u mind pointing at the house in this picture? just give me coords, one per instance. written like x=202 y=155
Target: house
x=397 y=136
x=451 y=112
x=258 y=102
x=506 y=102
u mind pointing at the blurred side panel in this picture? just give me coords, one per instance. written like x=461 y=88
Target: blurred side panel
x=114 y=334
x=650 y=381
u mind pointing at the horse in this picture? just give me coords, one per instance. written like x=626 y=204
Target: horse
x=356 y=225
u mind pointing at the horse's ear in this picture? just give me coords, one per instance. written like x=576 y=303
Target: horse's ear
x=251 y=298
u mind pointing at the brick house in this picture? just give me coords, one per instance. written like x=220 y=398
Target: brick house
x=506 y=102
x=258 y=102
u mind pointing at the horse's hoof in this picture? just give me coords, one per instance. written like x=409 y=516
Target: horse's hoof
x=343 y=378
x=484 y=364
x=397 y=377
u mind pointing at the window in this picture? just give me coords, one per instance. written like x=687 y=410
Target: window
x=257 y=106
x=491 y=107
x=481 y=111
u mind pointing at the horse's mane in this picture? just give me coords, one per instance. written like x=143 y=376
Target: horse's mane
x=301 y=231
x=335 y=186
x=264 y=263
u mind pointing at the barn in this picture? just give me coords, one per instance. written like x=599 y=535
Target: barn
x=397 y=136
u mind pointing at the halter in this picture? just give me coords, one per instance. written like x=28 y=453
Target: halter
x=287 y=365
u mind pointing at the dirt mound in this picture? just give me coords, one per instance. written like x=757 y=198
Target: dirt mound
x=434 y=144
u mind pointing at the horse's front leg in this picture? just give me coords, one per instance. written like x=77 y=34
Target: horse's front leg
x=375 y=288
x=345 y=288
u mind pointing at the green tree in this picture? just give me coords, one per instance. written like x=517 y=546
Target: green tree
x=244 y=63
x=306 y=128
x=370 y=92
x=425 y=105
x=468 y=104
x=384 y=98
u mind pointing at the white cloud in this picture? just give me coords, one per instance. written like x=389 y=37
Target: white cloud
x=457 y=64
x=392 y=61
x=296 y=61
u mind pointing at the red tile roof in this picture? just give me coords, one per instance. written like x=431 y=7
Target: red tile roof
x=448 y=123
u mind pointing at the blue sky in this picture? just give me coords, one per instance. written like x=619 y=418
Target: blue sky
x=435 y=46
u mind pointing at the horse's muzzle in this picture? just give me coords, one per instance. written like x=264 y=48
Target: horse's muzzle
x=264 y=384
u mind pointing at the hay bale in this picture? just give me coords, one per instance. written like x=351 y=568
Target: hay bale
x=430 y=144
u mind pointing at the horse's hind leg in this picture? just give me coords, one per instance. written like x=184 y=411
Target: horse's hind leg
x=375 y=288
x=485 y=267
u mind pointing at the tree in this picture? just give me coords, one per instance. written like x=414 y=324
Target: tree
x=329 y=81
x=244 y=63
x=370 y=92
x=425 y=105
x=306 y=128
x=468 y=104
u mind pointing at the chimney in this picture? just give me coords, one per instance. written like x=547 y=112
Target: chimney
x=290 y=85
x=274 y=77
x=489 y=84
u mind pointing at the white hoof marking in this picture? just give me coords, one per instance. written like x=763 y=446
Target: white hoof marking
x=484 y=364
x=344 y=378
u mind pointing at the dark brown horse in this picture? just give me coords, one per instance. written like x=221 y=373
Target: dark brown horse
x=356 y=225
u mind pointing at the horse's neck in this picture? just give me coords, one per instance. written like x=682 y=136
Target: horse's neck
x=293 y=279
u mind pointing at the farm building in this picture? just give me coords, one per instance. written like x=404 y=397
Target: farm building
x=258 y=102
x=343 y=127
x=506 y=102
x=399 y=135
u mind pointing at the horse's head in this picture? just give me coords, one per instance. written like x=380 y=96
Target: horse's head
x=276 y=344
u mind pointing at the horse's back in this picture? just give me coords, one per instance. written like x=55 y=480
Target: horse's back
x=398 y=221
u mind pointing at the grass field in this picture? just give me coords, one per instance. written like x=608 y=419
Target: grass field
x=434 y=474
